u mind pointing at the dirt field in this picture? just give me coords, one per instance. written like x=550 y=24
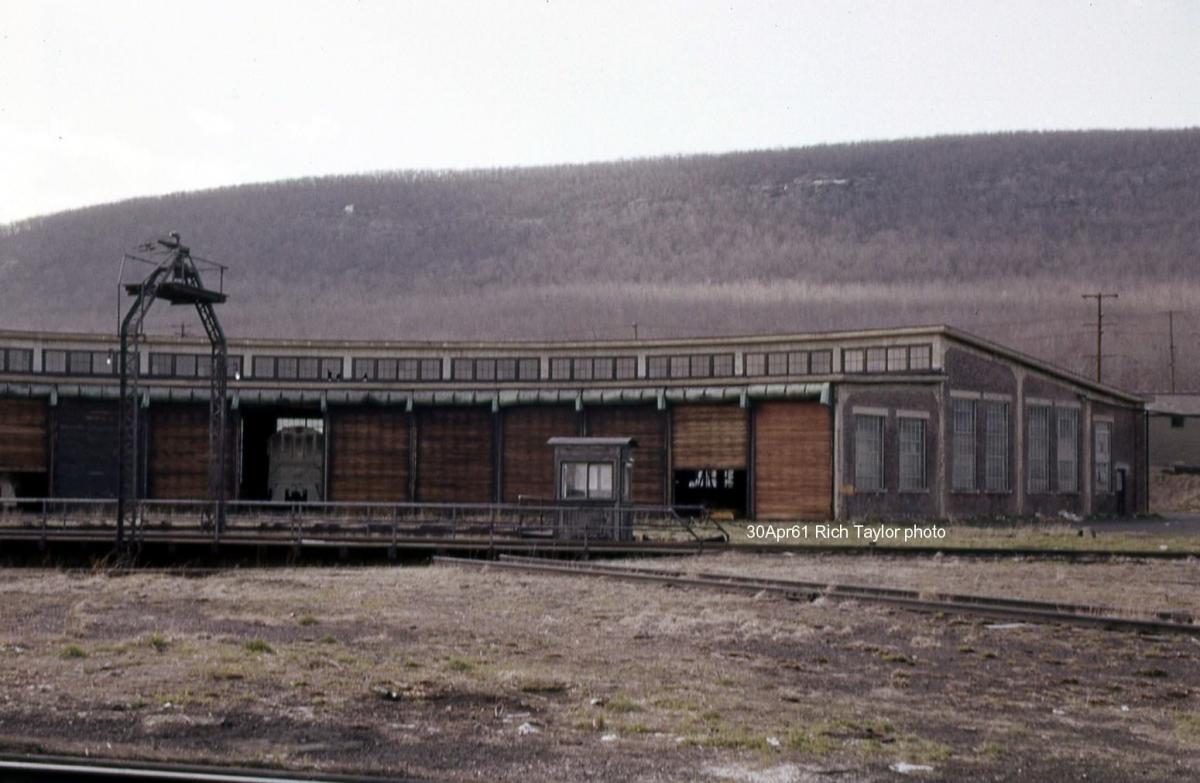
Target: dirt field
x=438 y=673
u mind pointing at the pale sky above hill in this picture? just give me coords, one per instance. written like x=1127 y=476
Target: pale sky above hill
x=101 y=101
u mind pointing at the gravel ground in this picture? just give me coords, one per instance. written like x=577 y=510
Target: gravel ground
x=446 y=674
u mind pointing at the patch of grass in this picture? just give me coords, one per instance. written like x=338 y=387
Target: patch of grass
x=808 y=743
x=456 y=664
x=159 y=643
x=307 y=620
x=73 y=651
x=1187 y=726
x=409 y=663
x=327 y=639
x=734 y=739
x=622 y=704
x=994 y=749
x=259 y=646
x=1156 y=674
x=966 y=649
x=595 y=724
x=544 y=686
x=230 y=675
x=891 y=656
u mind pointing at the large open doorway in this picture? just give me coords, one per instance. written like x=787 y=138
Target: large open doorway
x=718 y=490
x=283 y=453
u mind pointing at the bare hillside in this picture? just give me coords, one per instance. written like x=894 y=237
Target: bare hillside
x=999 y=234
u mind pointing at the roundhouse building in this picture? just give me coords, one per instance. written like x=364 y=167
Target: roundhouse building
x=905 y=422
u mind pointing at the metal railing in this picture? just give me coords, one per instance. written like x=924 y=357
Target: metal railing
x=350 y=522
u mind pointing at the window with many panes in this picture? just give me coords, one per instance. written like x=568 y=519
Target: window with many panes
x=658 y=366
x=777 y=364
x=387 y=369
x=462 y=370
x=529 y=369
x=16 y=360
x=897 y=359
x=868 y=453
x=853 y=360
x=1067 y=451
x=876 y=360
x=485 y=369
x=962 y=478
x=820 y=362
x=1103 y=455
x=582 y=369
x=723 y=365
x=700 y=366
x=506 y=369
x=920 y=357
x=308 y=367
x=408 y=370
x=431 y=370
x=79 y=362
x=162 y=364
x=54 y=361
x=798 y=363
x=911 y=437
x=626 y=367
x=680 y=366
x=995 y=447
x=602 y=369
x=1038 y=417
x=185 y=364
x=754 y=364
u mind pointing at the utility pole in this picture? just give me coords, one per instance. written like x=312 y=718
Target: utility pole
x=1100 y=297
x=634 y=325
x=1171 y=332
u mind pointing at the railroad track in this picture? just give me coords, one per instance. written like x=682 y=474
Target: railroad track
x=32 y=536
x=1009 y=609
x=52 y=769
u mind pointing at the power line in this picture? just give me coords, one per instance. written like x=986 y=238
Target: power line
x=1171 y=345
x=1100 y=297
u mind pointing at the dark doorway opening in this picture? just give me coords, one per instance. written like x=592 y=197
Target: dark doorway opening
x=259 y=426
x=714 y=488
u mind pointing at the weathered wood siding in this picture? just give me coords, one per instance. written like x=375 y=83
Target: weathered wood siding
x=528 y=465
x=708 y=436
x=793 y=461
x=455 y=450
x=23 y=436
x=648 y=426
x=369 y=455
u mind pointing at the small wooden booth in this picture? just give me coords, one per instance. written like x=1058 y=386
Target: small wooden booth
x=593 y=484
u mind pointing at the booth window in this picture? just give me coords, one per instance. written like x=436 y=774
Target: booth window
x=587 y=480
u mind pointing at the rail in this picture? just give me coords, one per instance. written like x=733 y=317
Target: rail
x=984 y=606
x=52 y=769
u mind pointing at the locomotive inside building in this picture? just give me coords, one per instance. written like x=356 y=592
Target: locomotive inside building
x=265 y=452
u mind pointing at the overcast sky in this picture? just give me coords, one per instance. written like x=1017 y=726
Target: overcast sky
x=101 y=101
